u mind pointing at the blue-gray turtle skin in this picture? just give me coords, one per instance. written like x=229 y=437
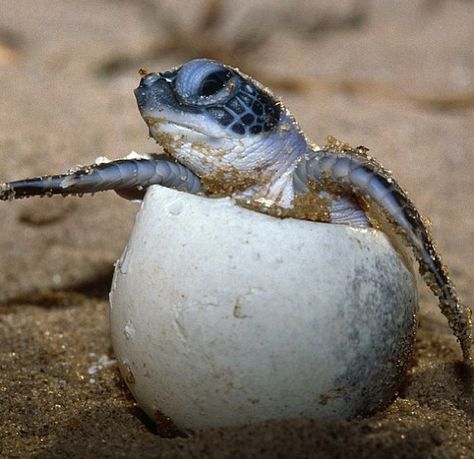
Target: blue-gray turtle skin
x=227 y=135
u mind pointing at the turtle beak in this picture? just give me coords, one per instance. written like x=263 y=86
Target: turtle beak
x=153 y=93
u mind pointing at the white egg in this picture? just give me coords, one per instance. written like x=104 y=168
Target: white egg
x=223 y=316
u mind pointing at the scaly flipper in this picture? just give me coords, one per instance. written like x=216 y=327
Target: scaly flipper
x=353 y=171
x=128 y=177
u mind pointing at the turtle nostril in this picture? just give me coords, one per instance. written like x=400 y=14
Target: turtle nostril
x=149 y=79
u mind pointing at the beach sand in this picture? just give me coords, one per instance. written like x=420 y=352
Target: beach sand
x=397 y=78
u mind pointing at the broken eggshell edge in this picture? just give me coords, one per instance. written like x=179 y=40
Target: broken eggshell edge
x=221 y=316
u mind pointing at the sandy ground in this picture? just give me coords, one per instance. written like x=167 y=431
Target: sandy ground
x=397 y=77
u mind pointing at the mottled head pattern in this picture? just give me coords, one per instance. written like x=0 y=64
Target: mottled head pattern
x=237 y=103
x=224 y=126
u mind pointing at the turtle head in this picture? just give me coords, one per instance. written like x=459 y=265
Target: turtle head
x=214 y=119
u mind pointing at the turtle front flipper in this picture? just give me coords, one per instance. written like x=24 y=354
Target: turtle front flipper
x=352 y=171
x=128 y=177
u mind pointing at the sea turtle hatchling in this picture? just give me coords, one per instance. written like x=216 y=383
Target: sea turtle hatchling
x=227 y=135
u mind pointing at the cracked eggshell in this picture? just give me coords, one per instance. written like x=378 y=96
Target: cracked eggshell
x=223 y=316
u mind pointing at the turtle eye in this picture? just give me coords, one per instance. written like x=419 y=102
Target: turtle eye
x=214 y=82
x=203 y=82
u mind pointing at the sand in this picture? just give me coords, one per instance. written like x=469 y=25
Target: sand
x=396 y=78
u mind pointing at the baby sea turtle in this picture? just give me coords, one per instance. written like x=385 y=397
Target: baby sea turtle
x=224 y=134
